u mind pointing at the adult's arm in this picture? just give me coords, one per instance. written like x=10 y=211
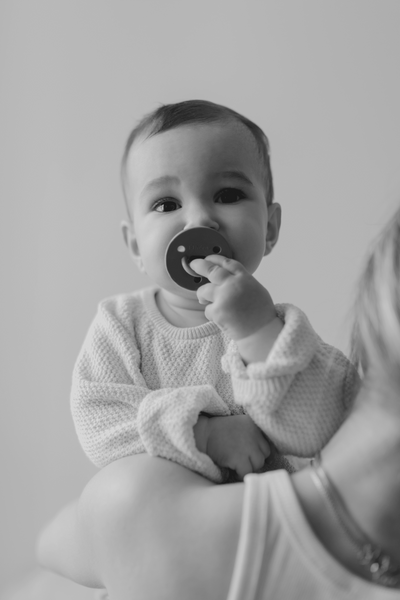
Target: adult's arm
x=150 y=529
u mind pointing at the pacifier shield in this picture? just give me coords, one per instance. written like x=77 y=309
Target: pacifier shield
x=187 y=245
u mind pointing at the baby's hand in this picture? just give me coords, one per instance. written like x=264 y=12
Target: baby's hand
x=235 y=300
x=237 y=443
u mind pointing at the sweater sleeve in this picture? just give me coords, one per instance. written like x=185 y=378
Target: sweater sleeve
x=116 y=414
x=301 y=394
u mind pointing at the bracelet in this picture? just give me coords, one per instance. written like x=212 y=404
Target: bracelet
x=381 y=566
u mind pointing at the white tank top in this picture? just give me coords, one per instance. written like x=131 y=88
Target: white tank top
x=280 y=558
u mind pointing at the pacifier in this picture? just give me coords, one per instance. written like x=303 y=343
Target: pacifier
x=187 y=245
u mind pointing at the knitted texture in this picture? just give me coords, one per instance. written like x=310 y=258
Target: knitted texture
x=140 y=383
x=300 y=395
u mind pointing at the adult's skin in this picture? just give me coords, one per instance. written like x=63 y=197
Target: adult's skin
x=168 y=533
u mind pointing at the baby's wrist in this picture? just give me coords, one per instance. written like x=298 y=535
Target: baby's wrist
x=257 y=346
x=245 y=327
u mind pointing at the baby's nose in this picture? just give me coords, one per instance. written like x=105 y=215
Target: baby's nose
x=201 y=218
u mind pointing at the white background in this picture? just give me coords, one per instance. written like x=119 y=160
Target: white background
x=320 y=77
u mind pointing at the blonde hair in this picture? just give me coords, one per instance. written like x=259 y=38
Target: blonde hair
x=376 y=333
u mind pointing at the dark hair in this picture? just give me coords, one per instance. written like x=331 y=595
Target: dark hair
x=169 y=116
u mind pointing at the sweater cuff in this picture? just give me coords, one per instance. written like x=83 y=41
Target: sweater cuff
x=292 y=352
x=166 y=421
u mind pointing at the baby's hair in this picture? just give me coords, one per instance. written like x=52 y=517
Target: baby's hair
x=169 y=116
x=376 y=333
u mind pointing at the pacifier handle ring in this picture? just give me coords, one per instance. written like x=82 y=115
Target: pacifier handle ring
x=185 y=246
x=188 y=270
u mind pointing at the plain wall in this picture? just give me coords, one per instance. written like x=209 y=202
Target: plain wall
x=320 y=77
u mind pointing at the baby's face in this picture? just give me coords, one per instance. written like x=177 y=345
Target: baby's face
x=197 y=175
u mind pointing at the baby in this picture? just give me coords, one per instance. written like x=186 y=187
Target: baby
x=202 y=377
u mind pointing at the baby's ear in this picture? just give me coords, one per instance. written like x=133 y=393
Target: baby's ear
x=274 y=225
x=131 y=243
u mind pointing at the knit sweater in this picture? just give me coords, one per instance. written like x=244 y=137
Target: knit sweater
x=139 y=384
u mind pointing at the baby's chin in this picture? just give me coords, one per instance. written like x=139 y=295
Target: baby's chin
x=181 y=296
x=180 y=310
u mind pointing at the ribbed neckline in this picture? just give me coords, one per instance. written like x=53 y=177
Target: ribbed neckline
x=184 y=333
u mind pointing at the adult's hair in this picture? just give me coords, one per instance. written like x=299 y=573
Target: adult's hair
x=376 y=333
x=170 y=116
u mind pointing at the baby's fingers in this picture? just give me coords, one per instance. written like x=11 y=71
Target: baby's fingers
x=264 y=446
x=215 y=272
x=257 y=460
x=229 y=264
x=205 y=293
x=243 y=468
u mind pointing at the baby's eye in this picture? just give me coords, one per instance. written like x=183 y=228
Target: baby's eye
x=230 y=196
x=165 y=205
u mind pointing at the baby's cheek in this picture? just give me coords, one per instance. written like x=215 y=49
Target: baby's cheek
x=251 y=256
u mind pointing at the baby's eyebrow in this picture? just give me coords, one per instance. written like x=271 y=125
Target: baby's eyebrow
x=239 y=175
x=158 y=181
x=165 y=179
